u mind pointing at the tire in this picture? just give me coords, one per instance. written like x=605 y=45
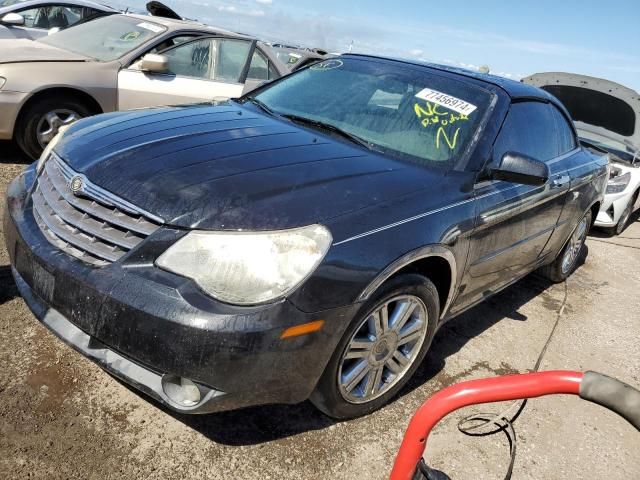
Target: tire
x=569 y=257
x=626 y=215
x=332 y=396
x=46 y=115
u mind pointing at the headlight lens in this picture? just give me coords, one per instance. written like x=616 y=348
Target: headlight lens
x=617 y=180
x=247 y=268
x=49 y=148
x=2 y=82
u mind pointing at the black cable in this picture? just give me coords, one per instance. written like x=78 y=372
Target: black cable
x=468 y=425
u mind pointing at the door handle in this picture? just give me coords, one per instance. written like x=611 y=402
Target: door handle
x=560 y=181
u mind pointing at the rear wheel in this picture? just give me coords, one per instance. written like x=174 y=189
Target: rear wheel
x=42 y=120
x=569 y=258
x=381 y=349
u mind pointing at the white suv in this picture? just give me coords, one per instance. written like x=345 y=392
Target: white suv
x=606 y=116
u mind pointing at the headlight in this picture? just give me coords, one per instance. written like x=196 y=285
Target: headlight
x=617 y=180
x=2 y=82
x=246 y=268
x=49 y=148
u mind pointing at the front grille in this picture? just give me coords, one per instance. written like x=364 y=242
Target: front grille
x=92 y=224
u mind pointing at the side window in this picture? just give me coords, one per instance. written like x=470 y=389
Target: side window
x=192 y=59
x=231 y=57
x=88 y=12
x=530 y=128
x=50 y=16
x=259 y=68
x=35 y=18
x=171 y=42
x=273 y=73
x=72 y=14
x=566 y=137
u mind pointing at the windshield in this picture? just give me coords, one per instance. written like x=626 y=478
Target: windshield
x=412 y=113
x=106 y=38
x=6 y=3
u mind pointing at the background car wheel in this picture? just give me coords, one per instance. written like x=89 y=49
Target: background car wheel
x=41 y=121
x=626 y=215
x=569 y=258
x=381 y=349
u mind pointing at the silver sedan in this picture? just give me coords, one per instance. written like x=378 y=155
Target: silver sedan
x=121 y=62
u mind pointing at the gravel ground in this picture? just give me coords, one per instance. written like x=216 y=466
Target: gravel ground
x=62 y=417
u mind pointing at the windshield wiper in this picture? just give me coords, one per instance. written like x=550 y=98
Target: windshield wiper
x=261 y=105
x=329 y=128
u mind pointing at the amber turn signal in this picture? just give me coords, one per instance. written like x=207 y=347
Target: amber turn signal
x=303 y=329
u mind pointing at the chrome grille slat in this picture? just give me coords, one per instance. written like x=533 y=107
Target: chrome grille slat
x=104 y=196
x=116 y=217
x=73 y=217
x=99 y=229
x=79 y=240
x=67 y=247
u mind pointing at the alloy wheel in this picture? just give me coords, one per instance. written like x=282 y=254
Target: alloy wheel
x=383 y=348
x=572 y=251
x=50 y=123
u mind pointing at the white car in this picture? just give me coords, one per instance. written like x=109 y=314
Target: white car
x=606 y=116
x=33 y=19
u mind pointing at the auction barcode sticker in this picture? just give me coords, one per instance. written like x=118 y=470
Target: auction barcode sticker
x=447 y=101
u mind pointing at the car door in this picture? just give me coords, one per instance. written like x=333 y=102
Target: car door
x=261 y=70
x=583 y=169
x=198 y=70
x=515 y=221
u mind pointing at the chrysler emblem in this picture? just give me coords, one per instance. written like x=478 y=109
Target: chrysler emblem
x=76 y=184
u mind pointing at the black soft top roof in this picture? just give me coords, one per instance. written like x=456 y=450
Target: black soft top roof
x=516 y=90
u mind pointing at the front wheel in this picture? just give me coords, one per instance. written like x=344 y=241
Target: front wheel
x=381 y=349
x=42 y=120
x=569 y=258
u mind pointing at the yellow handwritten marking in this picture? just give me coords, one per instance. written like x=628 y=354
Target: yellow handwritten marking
x=450 y=143
x=432 y=115
x=430 y=111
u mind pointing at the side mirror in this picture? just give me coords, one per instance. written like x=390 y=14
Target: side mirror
x=519 y=168
x=152 y=62
x=13 y=19
x=53 y=30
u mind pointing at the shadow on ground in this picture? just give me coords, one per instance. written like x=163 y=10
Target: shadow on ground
x=262 y=424
x=9 y=153
x=8 y=289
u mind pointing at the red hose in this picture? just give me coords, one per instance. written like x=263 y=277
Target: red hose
x=487 y=390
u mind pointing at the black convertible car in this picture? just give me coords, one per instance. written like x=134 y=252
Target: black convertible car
x=306 y=241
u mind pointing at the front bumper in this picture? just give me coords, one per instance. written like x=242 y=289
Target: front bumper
x=141 y=323
x=612 y=208
x=10 y=105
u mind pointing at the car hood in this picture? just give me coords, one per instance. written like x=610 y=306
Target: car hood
x=229 y=167
x=601 y=109
x=158 y=9
x=24 y=50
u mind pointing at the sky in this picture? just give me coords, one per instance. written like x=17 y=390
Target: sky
x=512 y=38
